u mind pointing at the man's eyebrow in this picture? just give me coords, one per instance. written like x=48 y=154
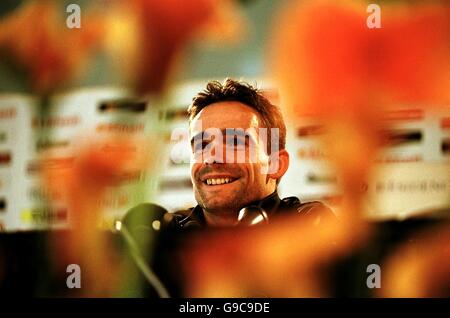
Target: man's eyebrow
x=240 y=132
x=204 y=134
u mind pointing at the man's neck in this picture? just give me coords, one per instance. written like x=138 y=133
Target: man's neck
x=220 y=219
x=230 y=218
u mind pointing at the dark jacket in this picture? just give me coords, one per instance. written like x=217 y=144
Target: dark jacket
x=272 y=205
x=177 y=227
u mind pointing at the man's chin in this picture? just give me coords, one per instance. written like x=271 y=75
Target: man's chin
x=222 y=205
x=220 y=200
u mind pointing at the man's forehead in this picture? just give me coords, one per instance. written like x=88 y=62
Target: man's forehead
x=225 y=115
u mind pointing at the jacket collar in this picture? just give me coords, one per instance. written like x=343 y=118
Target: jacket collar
x=269 y=204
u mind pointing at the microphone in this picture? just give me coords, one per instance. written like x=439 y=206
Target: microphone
x=138 y=227
x=252 y=215
x=144 y=222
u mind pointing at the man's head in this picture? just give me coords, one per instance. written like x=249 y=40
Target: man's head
x=232 y=163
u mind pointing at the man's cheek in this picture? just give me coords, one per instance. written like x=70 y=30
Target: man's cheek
x=196 y=157
x=194 y=168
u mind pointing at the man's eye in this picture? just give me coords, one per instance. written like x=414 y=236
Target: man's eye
x=200 y=146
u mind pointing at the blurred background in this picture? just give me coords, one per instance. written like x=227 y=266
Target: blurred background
x=93 y=122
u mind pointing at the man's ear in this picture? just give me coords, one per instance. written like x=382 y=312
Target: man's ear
x=278 y=164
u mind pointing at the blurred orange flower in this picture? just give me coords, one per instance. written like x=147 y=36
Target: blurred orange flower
x=156 y=33
x=330 y=65
x=36 y=39
x=420 y=267
x=327 y=60
x=288 y=258
x=82 y=184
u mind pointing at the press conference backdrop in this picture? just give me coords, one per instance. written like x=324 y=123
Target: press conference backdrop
x=409 y=177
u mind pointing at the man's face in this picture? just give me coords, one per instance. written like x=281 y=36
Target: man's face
x=224 y=183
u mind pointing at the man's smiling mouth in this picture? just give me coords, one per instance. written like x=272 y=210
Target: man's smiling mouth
x=218 y=179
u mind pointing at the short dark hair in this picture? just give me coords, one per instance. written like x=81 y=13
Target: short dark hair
x=244 y=93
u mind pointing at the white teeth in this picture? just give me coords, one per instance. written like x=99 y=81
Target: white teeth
x=218 y=181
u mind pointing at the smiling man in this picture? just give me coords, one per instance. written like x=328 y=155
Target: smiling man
x=238 y=158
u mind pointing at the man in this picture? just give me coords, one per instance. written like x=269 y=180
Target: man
x=238 y=158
